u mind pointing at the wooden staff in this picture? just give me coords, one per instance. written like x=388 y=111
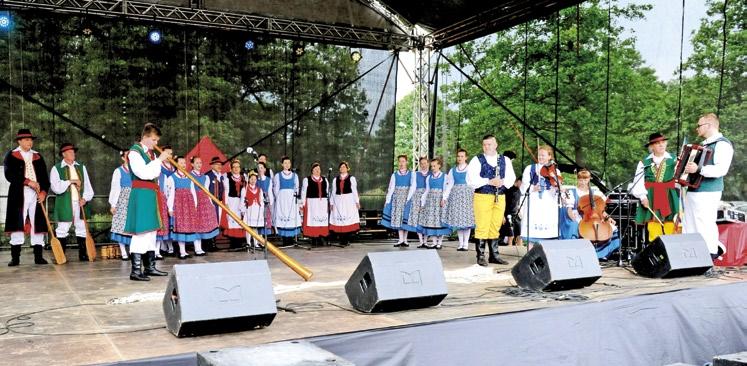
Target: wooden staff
x=59 y=254
x=657 y=219
x=302 y=271
x=90 y=244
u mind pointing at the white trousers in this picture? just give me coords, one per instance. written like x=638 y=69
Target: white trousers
x=700 y=217
x=64 y=227
x=29 y=211
x=145 y=242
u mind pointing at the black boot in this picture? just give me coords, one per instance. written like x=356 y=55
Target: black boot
x=149 y=263
x=82 y=252
x=15 y=255
x=136 y=274
x=493 y=257
x=479 y=248
x=63 y=243
x=38 y=259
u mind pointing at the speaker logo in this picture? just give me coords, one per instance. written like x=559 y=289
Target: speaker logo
x=411 y=278
x=689 y=253
x=232 y=294
x=575 y=262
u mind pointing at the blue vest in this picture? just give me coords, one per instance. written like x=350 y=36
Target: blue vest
x=460 y=178
x=402 y=180
x=436 y=183
x=182 y=183
x=289 y=183
x=488 y=171
x=125 y=180
x=712 y=184
x=165 y=173
x=420 y=179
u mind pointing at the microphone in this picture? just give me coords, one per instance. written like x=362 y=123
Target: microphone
x=250 y=150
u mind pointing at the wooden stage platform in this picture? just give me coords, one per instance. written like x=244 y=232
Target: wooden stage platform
x=87 y=313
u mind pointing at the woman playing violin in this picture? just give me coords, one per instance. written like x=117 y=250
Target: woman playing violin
x=540 y=210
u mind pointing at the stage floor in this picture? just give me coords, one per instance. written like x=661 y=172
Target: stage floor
x=86 y=313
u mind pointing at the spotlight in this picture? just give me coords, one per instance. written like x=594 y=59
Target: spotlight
x=5 y=20
x=249 y=45
x=87 y=31
x=298 y=49
x=155 y=36
x=356 y=56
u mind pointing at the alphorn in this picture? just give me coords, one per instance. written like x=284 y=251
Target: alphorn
x=302 y=271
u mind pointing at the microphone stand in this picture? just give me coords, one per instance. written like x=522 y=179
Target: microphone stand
x=527 y=200
x=635 y=179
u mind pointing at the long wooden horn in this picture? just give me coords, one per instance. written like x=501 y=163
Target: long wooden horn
x=302 y=271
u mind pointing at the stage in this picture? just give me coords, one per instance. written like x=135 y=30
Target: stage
x=87 y=313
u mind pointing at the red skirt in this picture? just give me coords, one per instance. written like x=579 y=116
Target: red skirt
x=186 y=218
x=208 y=220
x=164 y=209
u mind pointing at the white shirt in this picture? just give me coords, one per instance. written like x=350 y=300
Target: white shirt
x=723 y=154
x=142 y=170
x=639 y=189
x=444 y=192
x=475 y=181
x=60 y=186
x=393 y=184
x=353 y=188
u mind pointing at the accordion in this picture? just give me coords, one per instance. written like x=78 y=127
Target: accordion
x=691 y=153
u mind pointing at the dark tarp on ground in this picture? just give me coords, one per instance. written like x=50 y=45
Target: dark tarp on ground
x=688 y=326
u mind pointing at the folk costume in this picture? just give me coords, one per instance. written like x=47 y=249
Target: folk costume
x=314 y=193
x=460 y=213
x=144 y=212
x=119 y=195
x=489 y=201
x=67 y=203
x=344 y=218
x=22 y=214
x=393 y=216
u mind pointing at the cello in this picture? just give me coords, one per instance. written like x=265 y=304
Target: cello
x=593 y=226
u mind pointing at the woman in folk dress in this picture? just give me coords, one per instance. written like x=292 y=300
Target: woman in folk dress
x=253 y=210
x=540 y=211
x=119 y=195
x=433 y=202
x=264 y=181
x=315 y=205
x=286 y=215
x=205 y=208
x=460 y=213
x=183 y=209
x=344 y=218
x=235 y=182
x=412 y=209
x=396 y=199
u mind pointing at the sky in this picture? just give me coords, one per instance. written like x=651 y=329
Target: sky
x=657 y=38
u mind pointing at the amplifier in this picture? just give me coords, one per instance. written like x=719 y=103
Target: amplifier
x=725 y=214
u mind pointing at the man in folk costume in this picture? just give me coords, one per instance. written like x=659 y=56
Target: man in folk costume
x=70 y=182
x=217 y=181
x=29 y=183
x=654 y=187
x=143 y=211
x=701 y=204
x=490 y=175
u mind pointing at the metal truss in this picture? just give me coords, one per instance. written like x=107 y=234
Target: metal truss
x=236 y=21
x=421 y=107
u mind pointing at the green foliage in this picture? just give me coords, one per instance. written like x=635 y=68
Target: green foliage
x=195 y=83
x=639 y=104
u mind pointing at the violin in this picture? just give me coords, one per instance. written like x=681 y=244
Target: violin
x=593 y=226
x=550 y=172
